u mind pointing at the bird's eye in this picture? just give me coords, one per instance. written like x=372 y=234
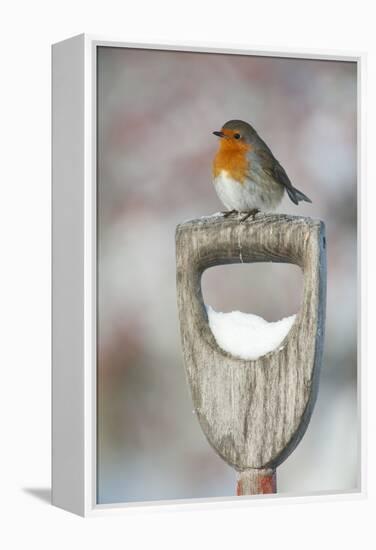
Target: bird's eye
x=237 y=136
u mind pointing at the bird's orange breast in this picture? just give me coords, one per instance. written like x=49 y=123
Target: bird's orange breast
x=232 y=157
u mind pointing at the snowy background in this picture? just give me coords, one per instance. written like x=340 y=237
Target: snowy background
x=156 y=114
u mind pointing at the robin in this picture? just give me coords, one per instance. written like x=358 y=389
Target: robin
x=246 y=175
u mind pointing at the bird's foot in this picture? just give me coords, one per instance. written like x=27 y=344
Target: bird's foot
x=250 y=213
x=228 y=213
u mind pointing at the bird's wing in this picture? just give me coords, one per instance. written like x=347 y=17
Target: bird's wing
x=271 y=166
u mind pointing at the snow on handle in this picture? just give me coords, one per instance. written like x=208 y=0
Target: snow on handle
x=246 y=335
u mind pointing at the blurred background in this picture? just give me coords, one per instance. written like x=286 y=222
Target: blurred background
x=156 y=114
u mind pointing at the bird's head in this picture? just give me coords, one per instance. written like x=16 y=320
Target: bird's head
x=236 y=133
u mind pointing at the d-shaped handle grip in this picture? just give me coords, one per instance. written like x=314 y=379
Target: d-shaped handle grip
x=255 y=412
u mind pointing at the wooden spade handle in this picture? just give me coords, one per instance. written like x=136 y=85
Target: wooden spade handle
x=253 y=413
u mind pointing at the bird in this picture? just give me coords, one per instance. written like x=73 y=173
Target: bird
x=247 y=177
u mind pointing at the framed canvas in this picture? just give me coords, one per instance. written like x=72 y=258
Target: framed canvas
x=157 y=399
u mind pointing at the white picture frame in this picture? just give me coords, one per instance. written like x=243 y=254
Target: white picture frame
x=74 y=274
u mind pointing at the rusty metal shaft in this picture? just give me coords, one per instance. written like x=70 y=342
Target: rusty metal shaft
x=256 y=482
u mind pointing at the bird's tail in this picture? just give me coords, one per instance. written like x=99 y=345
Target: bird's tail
x=296 y=196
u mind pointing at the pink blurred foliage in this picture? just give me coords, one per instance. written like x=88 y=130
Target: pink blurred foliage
x=156 y=114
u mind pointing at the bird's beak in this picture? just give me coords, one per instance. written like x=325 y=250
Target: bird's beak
x=219 y=134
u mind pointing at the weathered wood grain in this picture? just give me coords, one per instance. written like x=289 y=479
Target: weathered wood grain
x=253 y=413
